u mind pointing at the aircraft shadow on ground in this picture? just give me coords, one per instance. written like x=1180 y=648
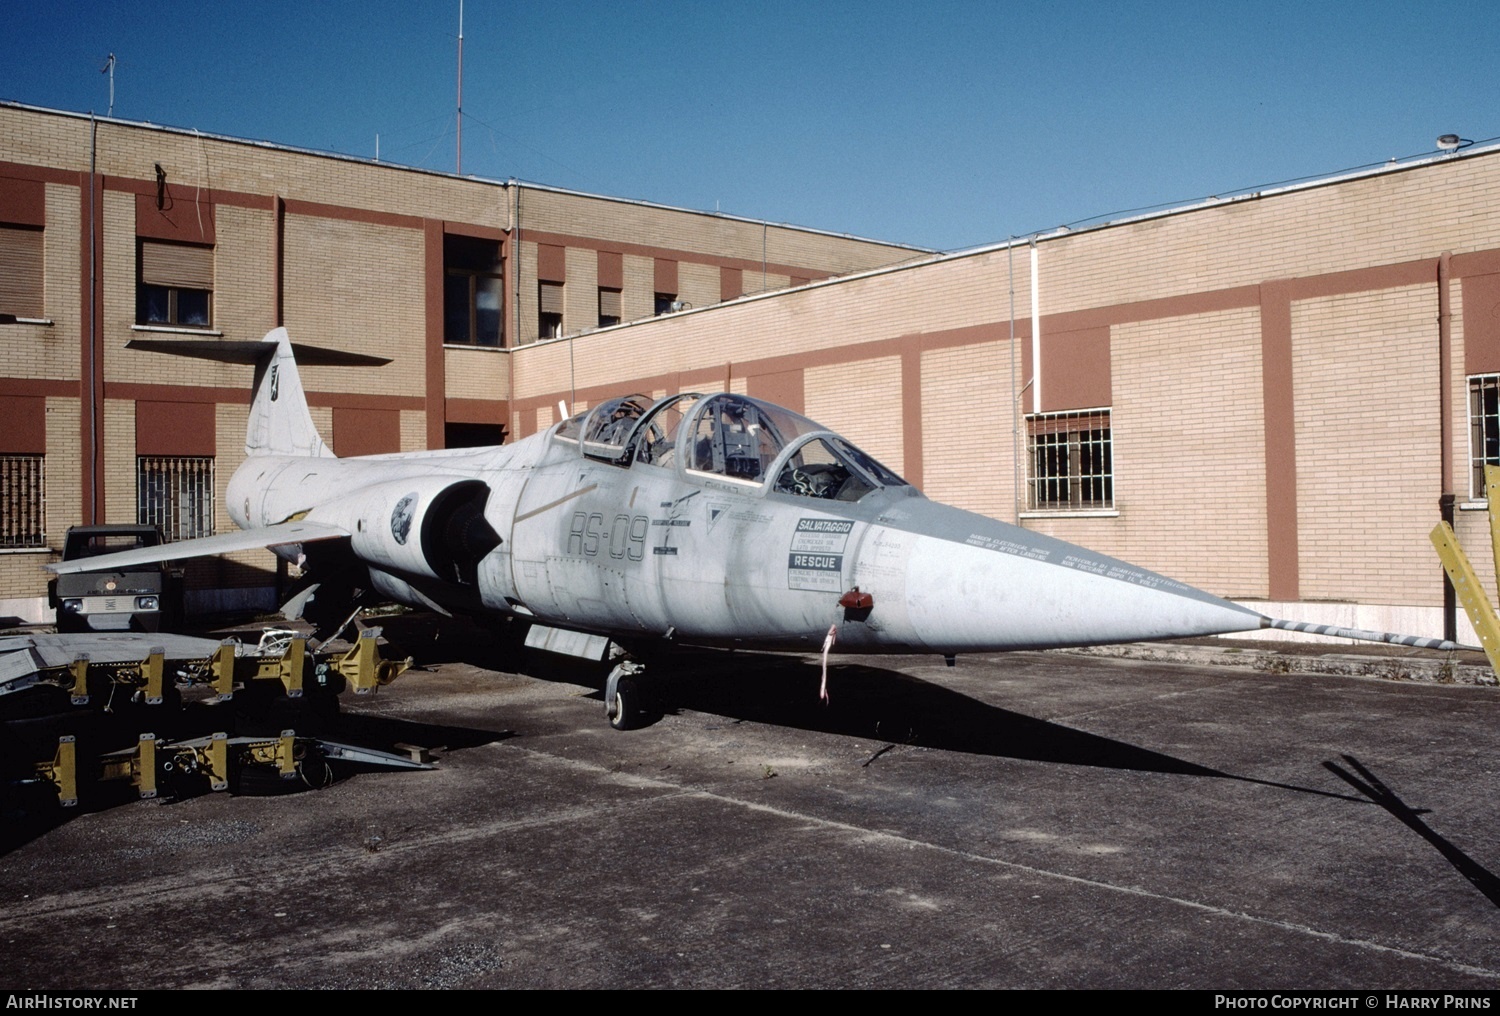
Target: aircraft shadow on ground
x=868 y=702
x=1369 y=785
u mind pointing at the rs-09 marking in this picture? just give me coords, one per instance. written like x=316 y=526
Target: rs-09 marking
x=626 y=539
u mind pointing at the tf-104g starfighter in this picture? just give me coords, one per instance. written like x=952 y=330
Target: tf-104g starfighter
x=708 y=520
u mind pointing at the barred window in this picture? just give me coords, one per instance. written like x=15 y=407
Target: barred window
x=176 y=494
x=1070 y=461
x=23 y=503
x=1484 y=429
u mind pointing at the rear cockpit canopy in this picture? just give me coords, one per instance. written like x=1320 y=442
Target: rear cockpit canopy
x=728 y=438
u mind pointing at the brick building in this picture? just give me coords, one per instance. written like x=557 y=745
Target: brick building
x=111 y=231
x=1270 y=396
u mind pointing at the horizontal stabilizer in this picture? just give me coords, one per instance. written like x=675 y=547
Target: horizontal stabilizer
x=205 y=546
x=254 y=351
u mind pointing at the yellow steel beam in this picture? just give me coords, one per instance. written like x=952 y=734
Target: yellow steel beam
x=152 y=668
x=216 y=759
x=221 y=670
x=362 y=666
x=287 y=668
x=62 y=771
x=144 y=776
x=79 y=668
x=1470 y=593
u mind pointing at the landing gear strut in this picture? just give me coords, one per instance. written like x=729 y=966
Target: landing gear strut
x=624 y=701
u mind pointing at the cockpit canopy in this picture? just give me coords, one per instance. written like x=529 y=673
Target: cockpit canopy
x=730 y=438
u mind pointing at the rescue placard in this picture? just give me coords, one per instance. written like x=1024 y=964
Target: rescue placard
x=816 y=558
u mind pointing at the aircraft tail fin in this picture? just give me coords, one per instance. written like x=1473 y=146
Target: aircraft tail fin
x=280 y=423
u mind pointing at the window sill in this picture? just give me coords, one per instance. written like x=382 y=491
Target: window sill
x=27 y=550
x=177 y=330
x=1088 y=513
x=470 y=345
x=14 y=319
x=1474 y=506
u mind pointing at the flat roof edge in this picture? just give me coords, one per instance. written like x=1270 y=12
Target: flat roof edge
x=193 y=132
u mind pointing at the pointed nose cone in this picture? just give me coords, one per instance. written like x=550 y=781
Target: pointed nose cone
x=972 y=584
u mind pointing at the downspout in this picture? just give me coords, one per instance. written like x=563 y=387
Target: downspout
x=1447 y=499
x=279 y=262
x=1015 y=404
x=93 y=363
x=515 y=278
x=1036 y=333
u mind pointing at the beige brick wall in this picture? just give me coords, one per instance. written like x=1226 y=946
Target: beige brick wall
x=638 y=298
x=476 y=373
x=358 y=286
x=525 y=302
x=245 y=273
x=581 y=292
x=966 y=292
x=64 y=469
x=862 y=401
x=1367 y=445
x=52 y=352
x=698 y=284
x=672 y=229
x=968 y=456
x=119 y=461
x=1392 y=218
x=1189 y=449
x=413 y=431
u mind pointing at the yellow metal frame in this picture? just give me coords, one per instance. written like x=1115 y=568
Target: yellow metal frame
x=1461 y=573
x=62 y=771
x=282 y=753
x=362 y=666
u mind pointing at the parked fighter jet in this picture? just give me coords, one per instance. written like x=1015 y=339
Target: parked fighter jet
x=710 y=520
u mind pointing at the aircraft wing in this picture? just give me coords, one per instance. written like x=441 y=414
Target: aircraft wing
x=205 y=546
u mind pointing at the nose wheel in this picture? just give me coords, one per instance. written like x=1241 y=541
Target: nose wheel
x=624 y=701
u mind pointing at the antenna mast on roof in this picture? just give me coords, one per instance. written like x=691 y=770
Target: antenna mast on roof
x=459 y=159
x=109 y=68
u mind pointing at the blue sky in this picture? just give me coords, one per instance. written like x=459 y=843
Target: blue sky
x=941 y=124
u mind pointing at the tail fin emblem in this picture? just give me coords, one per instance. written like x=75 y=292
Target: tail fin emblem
x=275 y=381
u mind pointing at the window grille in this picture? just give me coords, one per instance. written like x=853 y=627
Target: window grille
x=23 y=521
x=176 y=494
x=1070 y=461
x=1484 y=429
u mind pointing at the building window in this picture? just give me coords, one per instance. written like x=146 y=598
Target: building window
x=1484 y=430
x=23 y=502
x=549 y=318
x=1069 y=461
x=20 y=272
x=664 y=303
x=176 y=494
x=176 y=285
x=473 y=293
x=609 y=307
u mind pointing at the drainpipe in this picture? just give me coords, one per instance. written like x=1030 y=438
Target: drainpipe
x=1445 y=417
x=1036 y=333
x=93 y=358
